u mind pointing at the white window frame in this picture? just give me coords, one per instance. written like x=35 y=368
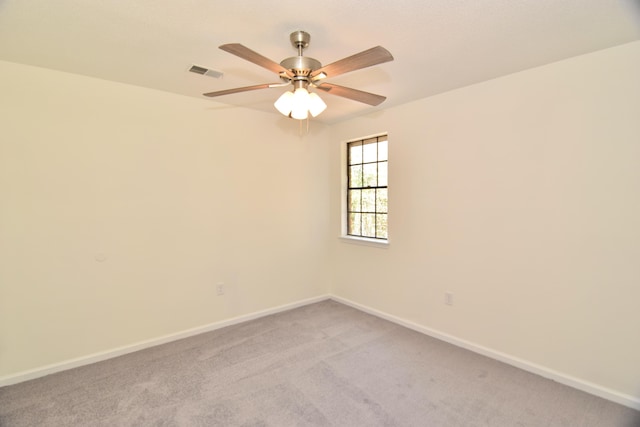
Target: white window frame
x=344 y=181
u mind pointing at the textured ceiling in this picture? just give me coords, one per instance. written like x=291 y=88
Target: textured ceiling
x=438 y=45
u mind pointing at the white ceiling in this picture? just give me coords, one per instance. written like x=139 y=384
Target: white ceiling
x=438 y=45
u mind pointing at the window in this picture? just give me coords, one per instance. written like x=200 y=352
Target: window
x=367 y=191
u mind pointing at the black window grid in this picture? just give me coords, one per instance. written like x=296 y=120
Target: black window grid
x=375 y=214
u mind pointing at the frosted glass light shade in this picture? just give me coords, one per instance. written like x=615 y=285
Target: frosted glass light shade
x=284 y=104
x=300 y=108
x=299 y=104
x=316 y=104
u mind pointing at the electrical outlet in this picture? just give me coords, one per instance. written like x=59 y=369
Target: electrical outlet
x=220 y=289
x=448 y=298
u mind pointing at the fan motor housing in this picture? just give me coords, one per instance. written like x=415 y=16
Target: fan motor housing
x=301 y=65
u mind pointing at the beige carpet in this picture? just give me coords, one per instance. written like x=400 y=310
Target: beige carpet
x=325 y=364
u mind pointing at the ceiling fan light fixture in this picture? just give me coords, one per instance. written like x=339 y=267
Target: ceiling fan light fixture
x=299 y=104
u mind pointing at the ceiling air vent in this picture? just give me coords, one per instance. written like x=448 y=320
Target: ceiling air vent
x=206 y=71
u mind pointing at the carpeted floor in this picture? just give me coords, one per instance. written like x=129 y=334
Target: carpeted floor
x=325 y=364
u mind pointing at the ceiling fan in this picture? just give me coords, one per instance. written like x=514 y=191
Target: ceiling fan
x=303 y=72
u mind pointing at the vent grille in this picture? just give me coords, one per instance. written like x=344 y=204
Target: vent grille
x=205 y=71
x=198 y=70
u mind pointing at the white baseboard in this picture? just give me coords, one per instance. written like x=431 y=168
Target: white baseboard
x=104 y=355
x=586 y=386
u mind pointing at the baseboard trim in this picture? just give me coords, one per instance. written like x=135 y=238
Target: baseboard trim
x=119 y=351
x=586 y=386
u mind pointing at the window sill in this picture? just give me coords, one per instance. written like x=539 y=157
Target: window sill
x=363 y=241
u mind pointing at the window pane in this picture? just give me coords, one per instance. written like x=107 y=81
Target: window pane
x=355 y=153
x=355 y=222
x=355 y=176
x=369 y=225
x=369 y=152
x=383 y=150
x=381 y=226
x=381 y=200
x=382 y=174
x=369 y=200
x=354 y=200
x=369 y=175
x=367 y=195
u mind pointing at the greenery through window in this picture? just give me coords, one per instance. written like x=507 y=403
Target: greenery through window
x=367 y=191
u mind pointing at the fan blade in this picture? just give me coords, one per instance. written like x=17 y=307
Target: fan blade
x=355 y=94
x=374 y=56
x=245 y=53
x=242 y=89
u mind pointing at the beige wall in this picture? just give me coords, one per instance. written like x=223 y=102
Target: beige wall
x=177 y=193
x=521 y=196
x=518 y=195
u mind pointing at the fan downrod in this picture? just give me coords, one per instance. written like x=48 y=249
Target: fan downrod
x=300 y=65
